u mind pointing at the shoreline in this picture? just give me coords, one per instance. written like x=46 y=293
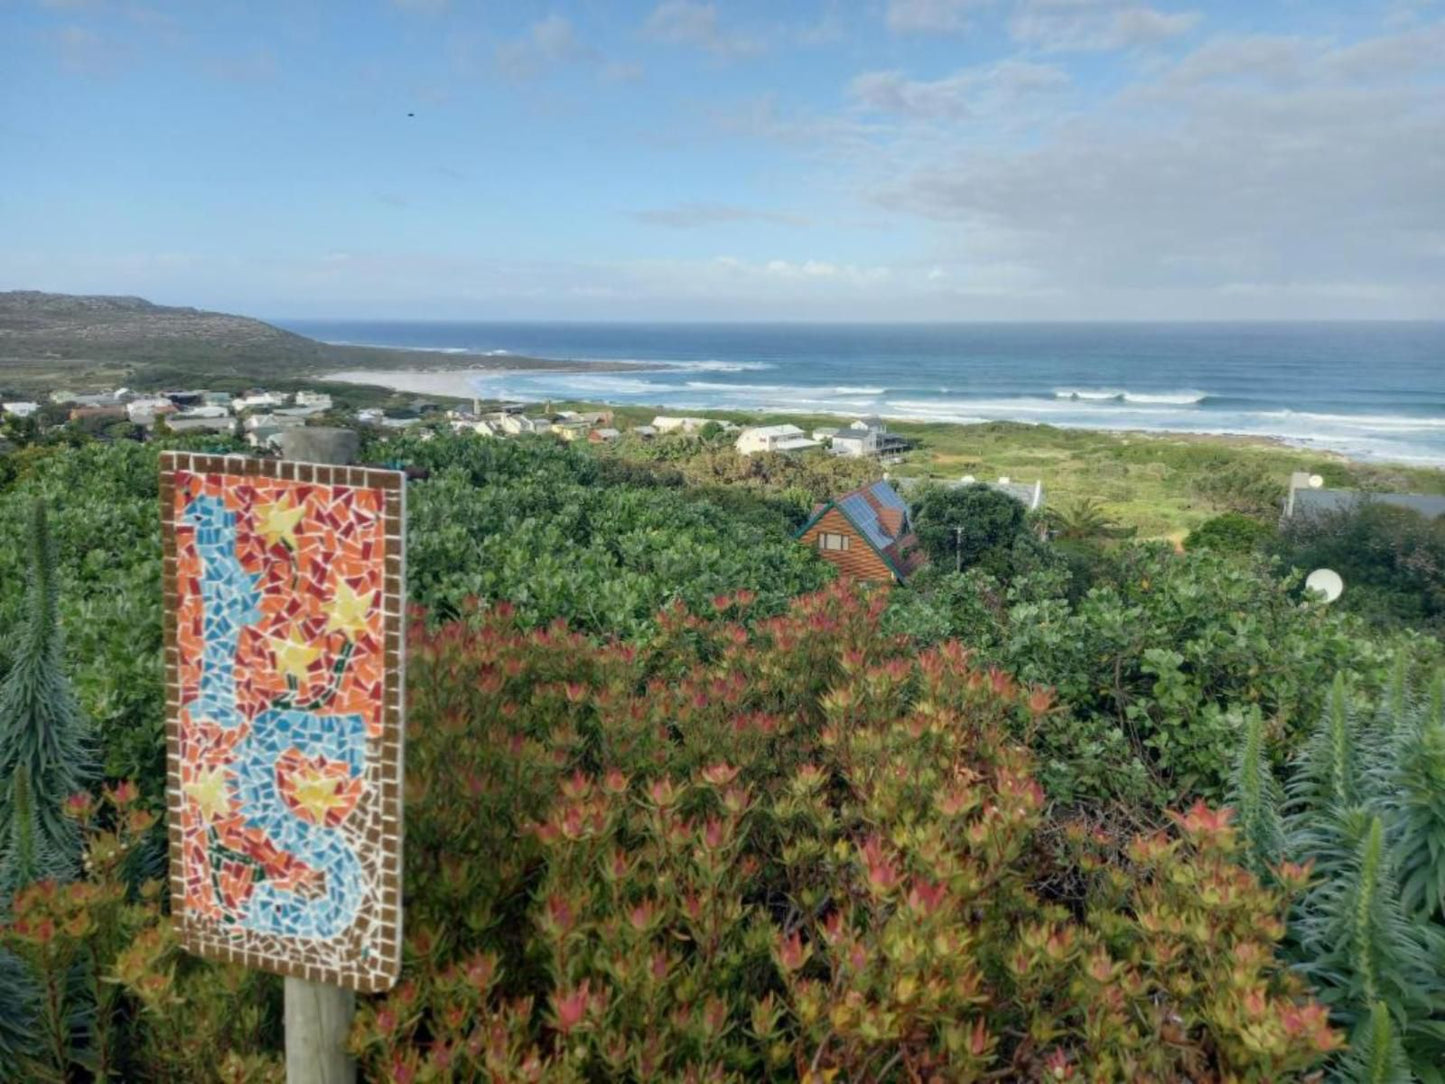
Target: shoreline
x=450 y=381
x=360 y=359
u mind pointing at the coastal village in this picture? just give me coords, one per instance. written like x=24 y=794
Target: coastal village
x=261 y=416
x=866 y=533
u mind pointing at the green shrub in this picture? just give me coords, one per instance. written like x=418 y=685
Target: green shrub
x=528 y=522
x=1231 y=532
x=1242 y=487
x=969 y=525
x=1392 y=560
x=1160 y=661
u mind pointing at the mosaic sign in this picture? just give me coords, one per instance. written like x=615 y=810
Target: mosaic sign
x=284 y=596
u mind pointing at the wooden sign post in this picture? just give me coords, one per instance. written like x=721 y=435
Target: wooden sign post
x=284 y=660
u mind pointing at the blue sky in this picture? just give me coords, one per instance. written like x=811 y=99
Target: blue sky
x=876 y=159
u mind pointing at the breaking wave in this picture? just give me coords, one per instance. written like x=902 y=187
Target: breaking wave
x=1169 y=398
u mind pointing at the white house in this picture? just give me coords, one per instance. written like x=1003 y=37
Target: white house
x=774 y=438
x=19 y=409
x=665 y=424
x=883 y=443
x=855 y=443
x=258 y=400
x=825 y=433
x=475 y=425
x=516 y=424
x=320 y=400
x=144 y=411
x=274 y=421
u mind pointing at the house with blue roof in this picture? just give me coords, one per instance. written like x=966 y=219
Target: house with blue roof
x=867 y=534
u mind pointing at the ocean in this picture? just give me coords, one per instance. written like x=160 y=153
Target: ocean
x=1369 y=390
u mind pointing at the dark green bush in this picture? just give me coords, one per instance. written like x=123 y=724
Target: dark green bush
x=1232 y=532
x=1392 y=560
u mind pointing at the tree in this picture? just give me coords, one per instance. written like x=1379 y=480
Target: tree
x=1084 y=520
x=958 y=528
x=43 y=740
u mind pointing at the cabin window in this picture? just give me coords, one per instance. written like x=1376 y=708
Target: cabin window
x=830 y=541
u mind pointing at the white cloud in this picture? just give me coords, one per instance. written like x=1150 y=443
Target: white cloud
x=1305 y=170
x=1096 y=25
x=804 y=271
x=1271 y=59
x=550 y=41
x=686 y=22
x=931 y=16
x=962 y=94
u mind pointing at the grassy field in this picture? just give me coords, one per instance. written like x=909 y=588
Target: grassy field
x=1158 y=482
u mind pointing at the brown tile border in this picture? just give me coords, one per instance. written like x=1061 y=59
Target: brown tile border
x=336 y=962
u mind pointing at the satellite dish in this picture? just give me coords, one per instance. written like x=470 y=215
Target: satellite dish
x=1326 y=583
x=968 y=479
x=1003 y=479
x=1316 y=481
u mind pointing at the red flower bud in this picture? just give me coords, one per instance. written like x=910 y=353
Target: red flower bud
x=792 y=953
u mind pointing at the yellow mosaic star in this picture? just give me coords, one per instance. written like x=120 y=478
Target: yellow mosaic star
x=277 y=522
x=349 y=610
x=208 y=792
x=317 y=795
x=294 y=655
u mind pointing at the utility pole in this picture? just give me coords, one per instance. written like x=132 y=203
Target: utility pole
x=318 y=1016
x=958 y=549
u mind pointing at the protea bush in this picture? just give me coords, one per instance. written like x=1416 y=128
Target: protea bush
x=797 y=850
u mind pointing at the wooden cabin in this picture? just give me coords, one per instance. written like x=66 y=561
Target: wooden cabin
x=867 y=534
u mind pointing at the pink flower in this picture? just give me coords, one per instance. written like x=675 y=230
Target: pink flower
x=883 y=874
x=925 y=897
x=664 y=793
x=719 y=775
x=79 y=805
x=569 y=1008
x=642 y=916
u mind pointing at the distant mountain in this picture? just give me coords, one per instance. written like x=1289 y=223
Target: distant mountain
x=97 y=341
x=37 y=326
